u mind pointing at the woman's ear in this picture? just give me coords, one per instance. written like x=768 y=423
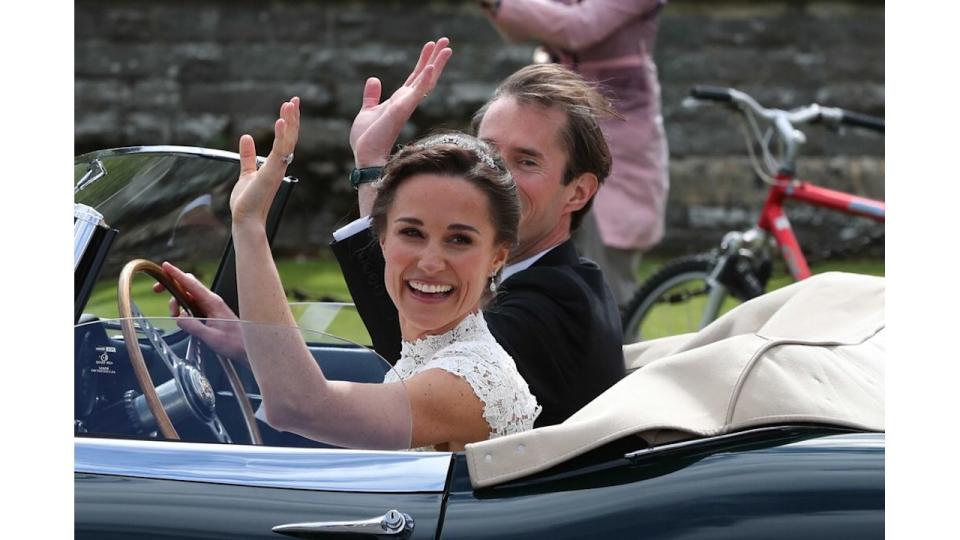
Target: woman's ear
x=499 y=258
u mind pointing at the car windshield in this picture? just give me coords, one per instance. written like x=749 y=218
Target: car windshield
x=146 y=378
x=167 y=203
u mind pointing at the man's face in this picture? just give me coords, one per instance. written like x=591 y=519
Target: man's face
x=528 y=138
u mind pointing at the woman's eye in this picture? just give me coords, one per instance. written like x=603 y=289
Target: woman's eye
x=461 y=239
x=411 y=232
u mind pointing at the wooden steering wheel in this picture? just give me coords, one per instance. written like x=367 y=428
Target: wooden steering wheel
x=189 y=389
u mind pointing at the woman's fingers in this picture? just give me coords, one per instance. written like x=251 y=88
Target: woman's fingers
x=174 y=306
x=256 y=187
x=248 y=155
x=295 y=114
x=286 y=129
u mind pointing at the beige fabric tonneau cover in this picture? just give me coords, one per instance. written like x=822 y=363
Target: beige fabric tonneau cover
x=809 y=352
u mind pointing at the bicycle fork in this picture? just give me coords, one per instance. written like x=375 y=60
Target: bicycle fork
x=741 y=269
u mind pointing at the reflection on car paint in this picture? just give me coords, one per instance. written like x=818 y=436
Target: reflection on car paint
x=291 y=468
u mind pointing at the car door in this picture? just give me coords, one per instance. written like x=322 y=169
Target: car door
x=783 y=482
x=168 y=489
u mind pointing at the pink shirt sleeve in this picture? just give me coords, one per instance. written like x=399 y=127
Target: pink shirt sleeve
x=572 y=27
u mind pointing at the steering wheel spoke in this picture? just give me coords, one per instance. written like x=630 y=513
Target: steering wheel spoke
x=193 y=356
x=164 y=352
x=220 y=432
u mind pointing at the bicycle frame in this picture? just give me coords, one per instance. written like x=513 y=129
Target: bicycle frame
x=730 y=272
x=743 y=264
x=774 y=220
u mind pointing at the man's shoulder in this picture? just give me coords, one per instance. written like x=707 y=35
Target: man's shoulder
x=581 y=278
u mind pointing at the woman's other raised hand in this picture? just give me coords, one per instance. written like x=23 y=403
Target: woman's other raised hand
x=252 y=196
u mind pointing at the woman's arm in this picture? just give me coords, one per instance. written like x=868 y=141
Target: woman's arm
x=572 y=27
x=297 y=397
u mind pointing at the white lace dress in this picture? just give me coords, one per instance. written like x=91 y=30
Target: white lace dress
x=471 y=352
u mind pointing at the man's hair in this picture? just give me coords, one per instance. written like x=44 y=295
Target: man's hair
x=554 y=86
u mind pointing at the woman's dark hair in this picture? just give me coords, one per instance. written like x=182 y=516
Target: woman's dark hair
x=457 y=155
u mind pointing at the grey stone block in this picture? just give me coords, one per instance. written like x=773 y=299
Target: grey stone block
x=157 y=94
x=146 y=128
x=99 y=59
x=247 y=97
x=208 y=130
x=100 y=95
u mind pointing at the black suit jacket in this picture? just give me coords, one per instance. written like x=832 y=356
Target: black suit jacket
x=557 y=319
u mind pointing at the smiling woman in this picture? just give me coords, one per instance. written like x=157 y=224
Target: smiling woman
x=447 y=214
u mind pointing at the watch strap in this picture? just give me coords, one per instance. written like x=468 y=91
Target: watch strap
x=364 y=176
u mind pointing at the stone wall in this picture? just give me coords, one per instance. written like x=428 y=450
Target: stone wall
x=203 y=72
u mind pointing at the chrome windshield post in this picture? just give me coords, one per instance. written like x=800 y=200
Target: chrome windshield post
x=85 y=222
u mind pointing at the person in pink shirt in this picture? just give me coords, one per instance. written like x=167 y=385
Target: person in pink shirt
x=610 y=43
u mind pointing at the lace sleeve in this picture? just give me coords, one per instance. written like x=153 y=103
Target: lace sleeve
x=508 y=405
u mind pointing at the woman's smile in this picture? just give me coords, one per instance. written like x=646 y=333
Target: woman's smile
x=429 y=292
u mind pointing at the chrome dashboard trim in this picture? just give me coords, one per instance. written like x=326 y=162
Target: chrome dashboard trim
x=317 y=469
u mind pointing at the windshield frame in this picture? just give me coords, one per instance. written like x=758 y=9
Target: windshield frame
x=224 y=280
x=165 y=149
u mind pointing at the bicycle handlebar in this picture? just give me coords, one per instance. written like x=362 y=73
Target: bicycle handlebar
x=861 y=120
x=784 y=122
x=712 y=93
x=808 y=114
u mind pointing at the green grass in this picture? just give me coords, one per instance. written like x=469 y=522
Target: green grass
x=312 y=280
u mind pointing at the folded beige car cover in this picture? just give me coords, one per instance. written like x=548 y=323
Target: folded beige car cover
x=809 y=352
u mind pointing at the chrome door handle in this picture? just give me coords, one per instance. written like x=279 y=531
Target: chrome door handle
x=393 y=524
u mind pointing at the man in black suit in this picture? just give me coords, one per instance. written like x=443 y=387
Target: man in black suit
x=553 y=313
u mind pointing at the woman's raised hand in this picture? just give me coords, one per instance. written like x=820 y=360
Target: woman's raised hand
x=377 y=125
x=252 y=196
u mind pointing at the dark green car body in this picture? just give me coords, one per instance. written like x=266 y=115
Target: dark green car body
x=772 y=482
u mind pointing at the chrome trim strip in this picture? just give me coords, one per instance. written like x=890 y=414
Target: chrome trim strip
x=317 y=469
x=841 y=439
x=170 y=149
x=86 y=221
x=164 y=149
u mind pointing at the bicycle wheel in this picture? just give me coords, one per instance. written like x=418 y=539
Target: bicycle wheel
x=669 y=302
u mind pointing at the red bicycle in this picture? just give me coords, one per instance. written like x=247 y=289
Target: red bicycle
x=687 y=294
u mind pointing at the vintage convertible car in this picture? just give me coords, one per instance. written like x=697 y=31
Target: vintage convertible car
x=757 y=427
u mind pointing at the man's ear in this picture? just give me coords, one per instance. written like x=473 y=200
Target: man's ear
x=581 y=190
